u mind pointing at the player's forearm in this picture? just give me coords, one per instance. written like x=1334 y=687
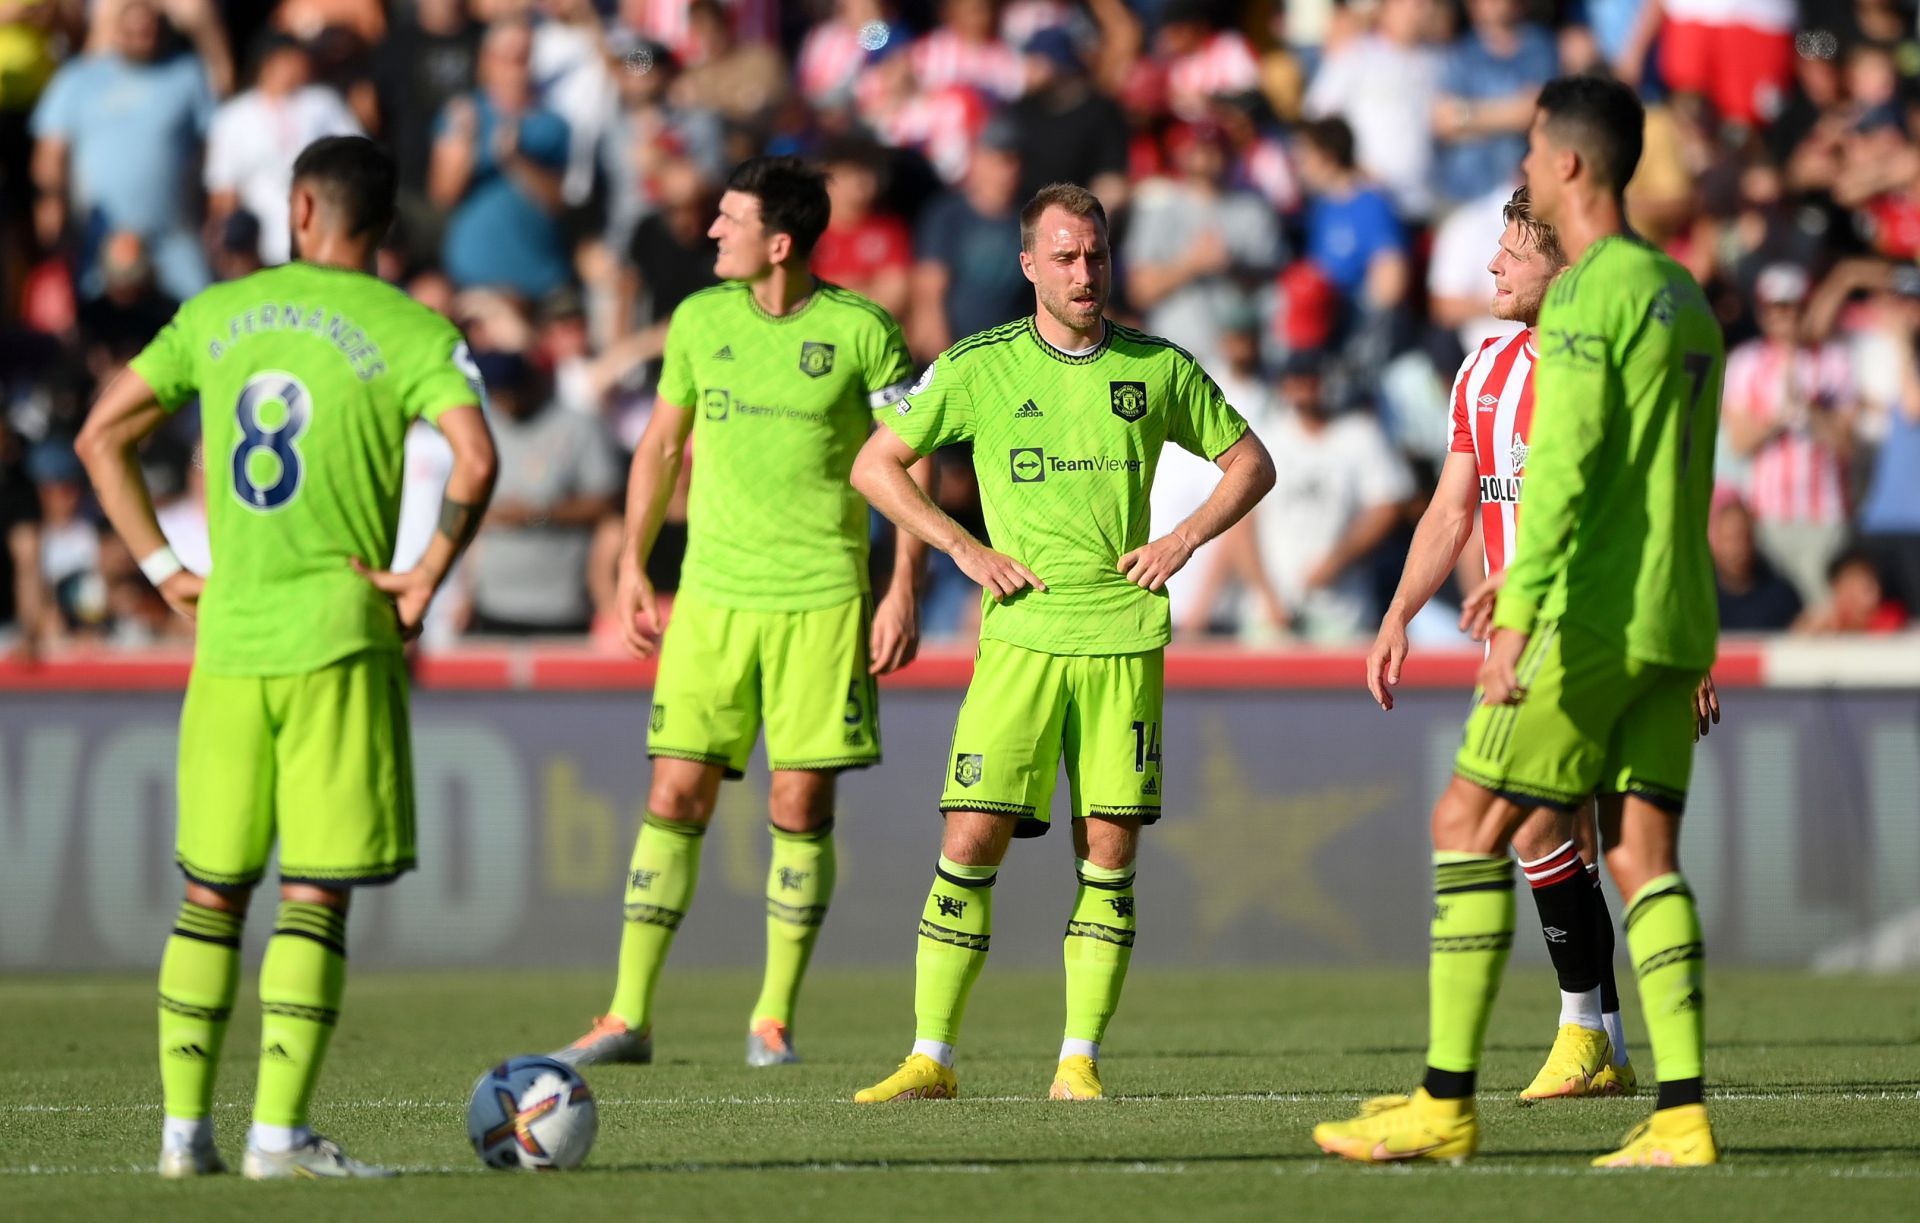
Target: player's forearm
x=889 y=487
x=1438 y=540
x=1246 y=477
x=650 y=485
x=909 y=550
x=122 y=417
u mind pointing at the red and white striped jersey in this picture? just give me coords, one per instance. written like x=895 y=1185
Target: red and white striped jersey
x=1225 y=65
x=1492 y=414
x=665 y=21
x=831 y=57
x=943 y=58
x=1794 y=478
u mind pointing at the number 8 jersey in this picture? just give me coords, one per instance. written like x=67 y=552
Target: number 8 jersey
x=308 y=378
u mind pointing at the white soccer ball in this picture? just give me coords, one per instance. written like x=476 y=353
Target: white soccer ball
x=534 y=1113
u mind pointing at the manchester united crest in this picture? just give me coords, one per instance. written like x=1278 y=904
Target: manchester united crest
x=968 y=768
x=816 y=360
x=1129 y=400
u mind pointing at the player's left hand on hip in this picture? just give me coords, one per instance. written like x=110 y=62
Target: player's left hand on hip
x=1498 y=682
x=896 y=634
x=1151 y=566
x=411 y=591
x=1706 y=708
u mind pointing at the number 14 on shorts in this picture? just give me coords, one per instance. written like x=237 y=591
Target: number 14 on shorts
x=1146 y=745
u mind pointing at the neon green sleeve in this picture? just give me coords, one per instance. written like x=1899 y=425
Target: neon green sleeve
x=1575 y=392
x=676 y=369
x=1202 y=421
x=167 y=362
x=447 y=377
x=889 y=368
x=937 y=410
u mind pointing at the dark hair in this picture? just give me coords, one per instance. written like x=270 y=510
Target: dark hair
x=1519 y=209
x=1855 y=557
x=1332 y=138
x=792 y=195
x=1072 y=197
x=358 y=179
x=1600 y=119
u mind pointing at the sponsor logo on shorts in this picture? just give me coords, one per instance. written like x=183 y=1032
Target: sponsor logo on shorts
x=657 y=718
x=968 y=768
x=816 y=360
x=1129 y=400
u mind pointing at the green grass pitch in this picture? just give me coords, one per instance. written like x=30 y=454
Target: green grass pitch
x=1216 y=1079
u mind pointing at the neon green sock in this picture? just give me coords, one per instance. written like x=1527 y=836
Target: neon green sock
x=666 y=866
x=301 y=983
x=799 y=887
x=1669 y=957
x=1472 y=934
x=199 y=974
x=955 y=929
x=1099 y=945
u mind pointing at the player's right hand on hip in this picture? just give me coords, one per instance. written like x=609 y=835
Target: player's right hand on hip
x=411 y=591
x=1383 y=662
x=182 y=592
x=998 y=574
x=637 y=612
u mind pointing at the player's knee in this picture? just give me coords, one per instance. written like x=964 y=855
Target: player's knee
x=976 y=838
x=1107 y=844
x=800 y=802
x=226 y=900
x=1471 y=820
x=680 y=804
x=1542 y=833
x=313 y=894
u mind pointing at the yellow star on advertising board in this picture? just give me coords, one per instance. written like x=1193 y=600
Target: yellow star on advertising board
x=1251 y=851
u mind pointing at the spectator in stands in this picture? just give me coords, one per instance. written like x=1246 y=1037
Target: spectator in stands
x=257 y=134
x=69 y=542
x=745 y=80
x=1385 y=85
x=965 y=50
x=968 y=277
x=1068 y=130
x=22 y=590
x=30 y=32
x=117 y=145
x=648 y=130
x=835 y=50
x=670 y=255
x=236 y=246
x=1196 y=248
x=1488 y=81
x=1753 y=597
x=1356 y=241
x=570 y=60
x=528 y=573
x=1739 y=56
x=1856 y=600
x=427 y=60
x=1340 y=492
x=129 y=312
x=1885 y=353
x=1788 y=410
x=497 y=166
x=864 y=248
x=1203 y=60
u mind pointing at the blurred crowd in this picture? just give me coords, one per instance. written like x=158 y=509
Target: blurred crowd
x=1304 y=193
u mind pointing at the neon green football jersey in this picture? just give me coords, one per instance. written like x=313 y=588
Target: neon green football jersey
x=308 y=377
x=1613 y=519
x=1065 y=448
x=781 y=408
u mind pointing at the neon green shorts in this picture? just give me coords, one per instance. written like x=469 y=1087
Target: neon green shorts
x=320 y=762
x=1593 y=719
x=723 y=671
x=1024 y=710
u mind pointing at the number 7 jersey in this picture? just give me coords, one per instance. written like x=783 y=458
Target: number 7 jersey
x=308 y=377
x=1612 y=531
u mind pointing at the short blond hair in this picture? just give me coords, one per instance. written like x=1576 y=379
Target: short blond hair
x=1519 y=211
x=1072 y=197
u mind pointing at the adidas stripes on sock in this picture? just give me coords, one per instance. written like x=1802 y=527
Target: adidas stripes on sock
x=199 y=975
x=302 y=981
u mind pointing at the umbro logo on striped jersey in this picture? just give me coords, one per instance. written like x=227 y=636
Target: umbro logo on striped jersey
x=725 y=353
x=1028 y=410
x=1488 y=402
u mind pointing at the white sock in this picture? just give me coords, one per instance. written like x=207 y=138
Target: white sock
x=1079 y=1048
x=1617 y=1035
x=935 y=1050
x=1582 y=1009
x=277 y=1139
x=186 y=1134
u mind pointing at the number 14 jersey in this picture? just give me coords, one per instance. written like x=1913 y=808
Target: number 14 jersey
x=308 y=378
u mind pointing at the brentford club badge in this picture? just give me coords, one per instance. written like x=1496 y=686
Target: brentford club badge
x=1518 y=456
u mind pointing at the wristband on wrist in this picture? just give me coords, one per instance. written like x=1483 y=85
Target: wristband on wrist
x=160 y=564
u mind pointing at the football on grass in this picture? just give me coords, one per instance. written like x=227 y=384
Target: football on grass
x=533 y=1113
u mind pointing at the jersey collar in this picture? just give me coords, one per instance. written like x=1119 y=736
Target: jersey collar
x=1085 y=358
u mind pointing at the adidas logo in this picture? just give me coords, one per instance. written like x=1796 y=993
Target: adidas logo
x=725 y=353
x=191 y=1052
x=1152 y=787
x=1028 y=410
x=277 y=1051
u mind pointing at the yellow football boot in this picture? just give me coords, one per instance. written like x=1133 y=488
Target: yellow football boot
x=1578 y=1055
x=919 y=1078
x=1078 y=1078
x=1615 y=1081
x=1671 y=1138
x=1420 y=1128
